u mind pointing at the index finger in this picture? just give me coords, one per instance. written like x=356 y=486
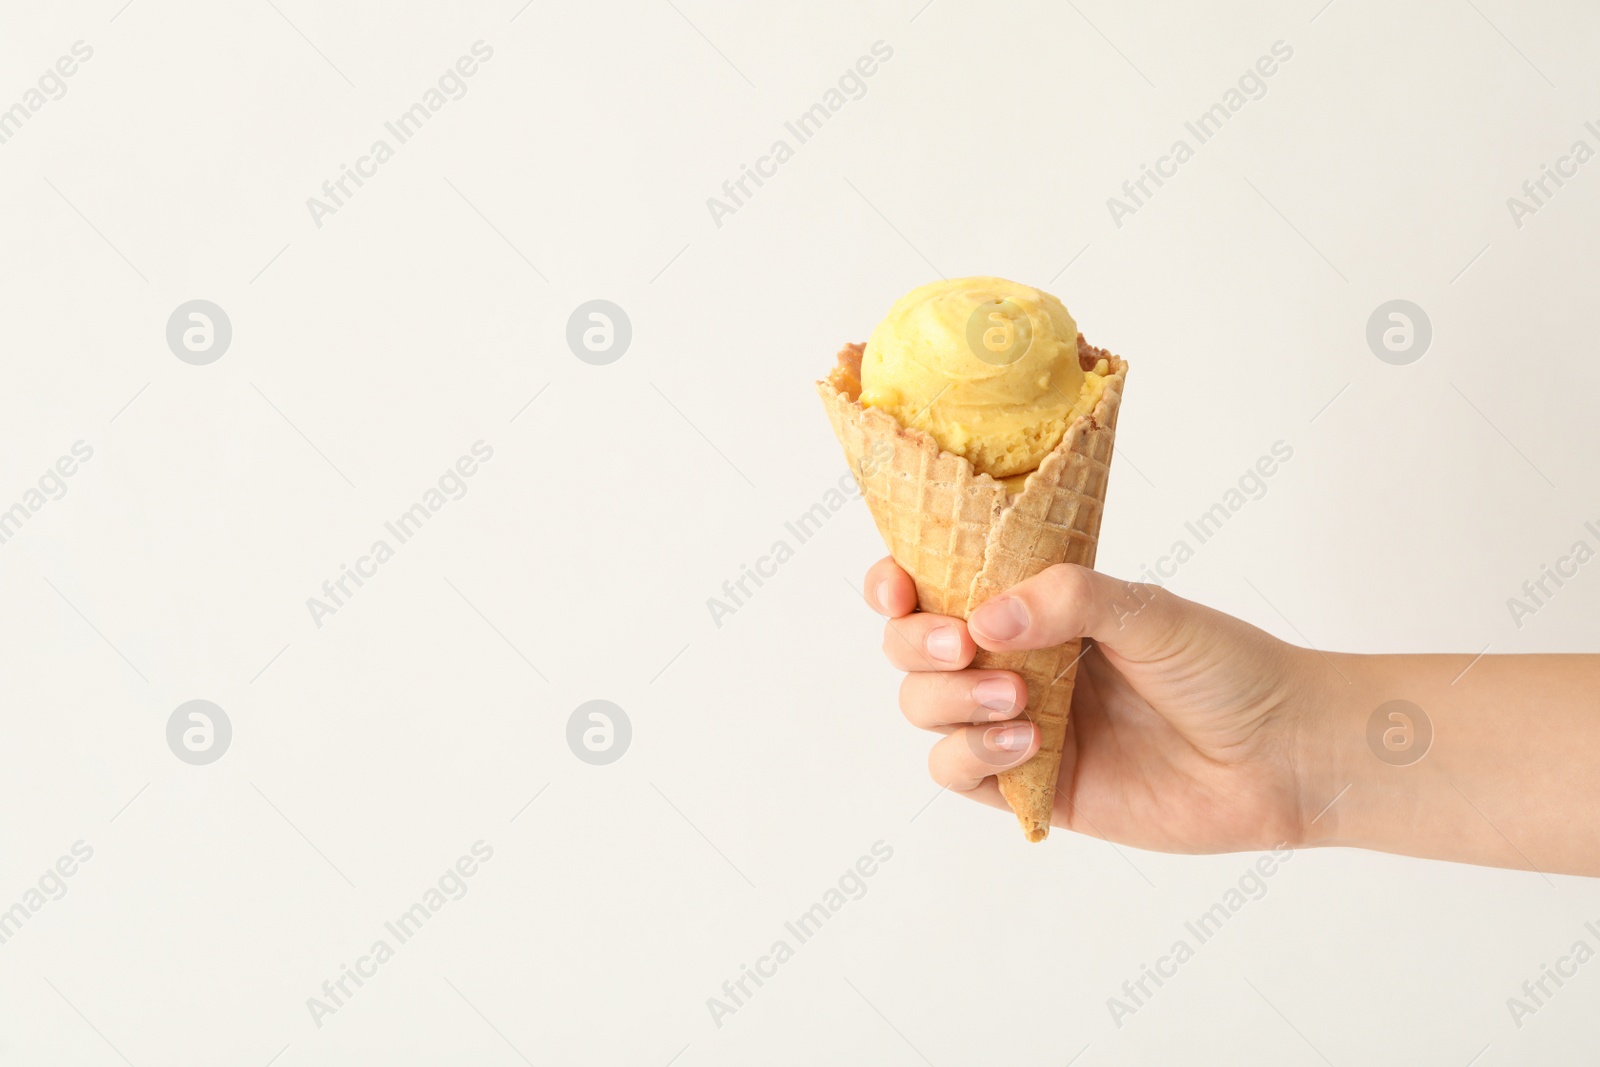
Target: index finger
x=889 y=589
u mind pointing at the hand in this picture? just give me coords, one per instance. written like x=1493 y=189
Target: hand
x=1184 y=734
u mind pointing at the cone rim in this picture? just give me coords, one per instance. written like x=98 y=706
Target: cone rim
x=1099 y=415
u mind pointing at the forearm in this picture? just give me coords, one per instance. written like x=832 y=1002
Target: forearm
x=1509 y=778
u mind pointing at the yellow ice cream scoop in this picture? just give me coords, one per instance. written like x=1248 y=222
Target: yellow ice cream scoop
x=988 y=368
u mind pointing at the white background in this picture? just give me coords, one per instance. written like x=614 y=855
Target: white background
x=767 y=753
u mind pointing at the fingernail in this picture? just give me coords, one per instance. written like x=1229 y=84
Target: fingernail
x=943 y=644
x=881 y=593
x=998 y=696
x=1000 y=619
x=1013 y=738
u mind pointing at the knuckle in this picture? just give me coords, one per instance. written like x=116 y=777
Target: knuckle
x=896 y=638
x=901 y=640
x=953 y=764
x=940 y=769
x=1070 y=583
x=910 y=699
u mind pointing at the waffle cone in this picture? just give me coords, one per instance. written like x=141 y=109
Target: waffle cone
x=963 y=539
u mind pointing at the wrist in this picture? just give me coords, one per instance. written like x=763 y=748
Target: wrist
x=1333 y=759
x=1365 y=781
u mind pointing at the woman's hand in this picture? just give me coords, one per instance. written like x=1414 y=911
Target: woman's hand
x=1183 y=735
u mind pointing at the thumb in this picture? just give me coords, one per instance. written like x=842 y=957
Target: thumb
x=1066 y=602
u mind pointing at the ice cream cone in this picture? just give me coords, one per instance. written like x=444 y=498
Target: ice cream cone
x=963 y=538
